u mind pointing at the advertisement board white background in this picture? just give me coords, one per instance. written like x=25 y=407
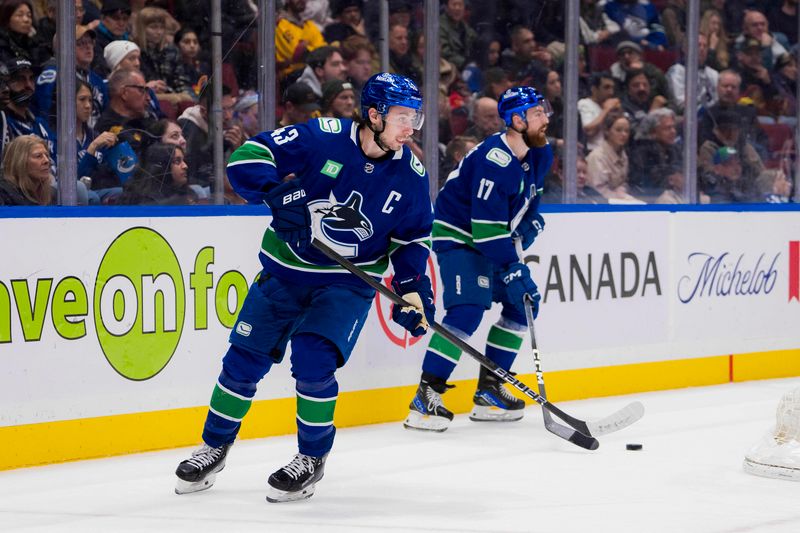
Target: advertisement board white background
x=58 y=379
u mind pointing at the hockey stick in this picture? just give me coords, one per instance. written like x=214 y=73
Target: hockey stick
x=566 y=433
x=613 y=422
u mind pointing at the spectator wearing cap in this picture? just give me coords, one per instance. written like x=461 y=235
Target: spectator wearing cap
x=456 y=36
x=757 y=80
x=349 y=21
x=637 y=99
x=782 y=18
x=639 y=22
x=525 y=60
x=324 y=64
x=629 y=59
x=124 y=55
x=707 y=79
x=594 y=109
x=655 y=144
x=114 y=18
x=17 y=35
x=160 y=60
x=44 y=99
x=485 y=119
x=723 y=178
x=295 y=37
x=338 y=99
x=17 y=119
x=358 y=55
x=755 y=27
x=299 y=104
x=727 y=133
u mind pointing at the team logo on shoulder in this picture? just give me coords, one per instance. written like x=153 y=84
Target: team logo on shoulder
x=244 y=329
x=496 y=155
x=417 y=165
x=330 y=125
x=368 y=168
x=47 y=76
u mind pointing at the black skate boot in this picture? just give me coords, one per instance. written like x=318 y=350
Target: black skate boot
x=493 y=402
x=296 y=481
x=200 y=470
x=428 y=413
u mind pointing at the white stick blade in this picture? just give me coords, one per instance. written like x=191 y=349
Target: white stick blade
x=617 y=421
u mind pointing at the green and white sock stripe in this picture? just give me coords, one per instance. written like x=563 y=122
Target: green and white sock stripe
x=251 y=152
x=505 y=339
x=315 y=411
x=444 y=348
x=489 y=230
x=229 y=405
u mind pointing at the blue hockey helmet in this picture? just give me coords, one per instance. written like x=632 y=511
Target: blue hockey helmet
x=385 y=90
x=517 y=100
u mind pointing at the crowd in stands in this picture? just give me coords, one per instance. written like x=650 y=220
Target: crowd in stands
x=143 y=97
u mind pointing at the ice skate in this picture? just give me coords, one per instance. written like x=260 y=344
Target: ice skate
x=428 y=413
x=296 y=481
x=493 y=403
x=200 y=470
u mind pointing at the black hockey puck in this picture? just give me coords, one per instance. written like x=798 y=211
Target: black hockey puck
x=633 y=447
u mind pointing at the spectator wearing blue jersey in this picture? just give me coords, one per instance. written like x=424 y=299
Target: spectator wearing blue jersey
x=488 y=202
x=364 y=193
x=639 y=21
x=90 y=146
x=45 y=94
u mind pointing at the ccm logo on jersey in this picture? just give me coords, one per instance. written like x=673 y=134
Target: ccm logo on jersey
x=296 y=195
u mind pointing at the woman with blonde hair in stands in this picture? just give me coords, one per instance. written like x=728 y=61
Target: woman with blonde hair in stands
x=26 y=173
x=712 y=25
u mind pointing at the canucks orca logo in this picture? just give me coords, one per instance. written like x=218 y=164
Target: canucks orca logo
x=347 y=217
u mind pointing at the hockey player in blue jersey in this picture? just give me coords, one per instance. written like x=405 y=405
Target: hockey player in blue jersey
x=363 y=193
x=488 y=201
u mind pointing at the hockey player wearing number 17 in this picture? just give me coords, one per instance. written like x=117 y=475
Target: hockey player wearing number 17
x=362 y=192
x=488 y=201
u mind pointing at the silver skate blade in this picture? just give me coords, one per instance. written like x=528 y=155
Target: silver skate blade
x=617 y=421
x=485 y=413
x=418 y=421
x=281 y=496
x=187 y=487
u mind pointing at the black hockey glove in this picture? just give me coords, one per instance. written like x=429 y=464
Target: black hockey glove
x=529 y=229
x=416 y=316
x=519 y=285
x=290 y=217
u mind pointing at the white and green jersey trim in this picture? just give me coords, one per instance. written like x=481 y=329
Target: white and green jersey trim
x=280 y=252
x=252 y=152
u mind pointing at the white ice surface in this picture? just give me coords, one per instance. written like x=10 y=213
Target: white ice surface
x=474 y=477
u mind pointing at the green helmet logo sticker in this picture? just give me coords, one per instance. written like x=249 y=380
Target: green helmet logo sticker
x=139 y=303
